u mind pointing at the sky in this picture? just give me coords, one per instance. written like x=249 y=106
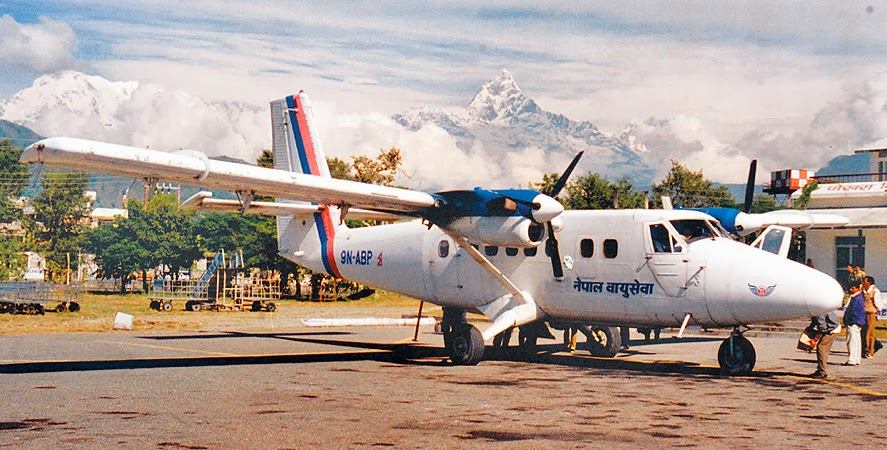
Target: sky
x=717 y=83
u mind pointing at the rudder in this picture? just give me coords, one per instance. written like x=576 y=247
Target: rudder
x=297 y=148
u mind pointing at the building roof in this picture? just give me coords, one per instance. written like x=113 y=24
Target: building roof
x=848 y=195
x=858 y=217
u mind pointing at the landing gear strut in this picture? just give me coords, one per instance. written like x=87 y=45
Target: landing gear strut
x=464 y=342
x=736 y=355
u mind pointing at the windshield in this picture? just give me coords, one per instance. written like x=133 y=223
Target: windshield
x=692 y=229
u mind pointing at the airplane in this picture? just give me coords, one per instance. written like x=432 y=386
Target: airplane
x=514 y=255
x=743 y=222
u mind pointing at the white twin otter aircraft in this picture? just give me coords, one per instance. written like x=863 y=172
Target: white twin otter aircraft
x=513 y=255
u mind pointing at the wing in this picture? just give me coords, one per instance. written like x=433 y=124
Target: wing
x=801 y=219
x=769 y=290
x=194 y=168
x=203 y=200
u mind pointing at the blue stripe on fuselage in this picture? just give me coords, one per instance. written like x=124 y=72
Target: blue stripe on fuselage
x=297 y=135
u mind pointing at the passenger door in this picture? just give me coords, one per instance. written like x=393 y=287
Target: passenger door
x=666 y=255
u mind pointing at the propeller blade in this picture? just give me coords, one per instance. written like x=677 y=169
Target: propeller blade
x=551 y=247
x=750 y=186
x=563 y=179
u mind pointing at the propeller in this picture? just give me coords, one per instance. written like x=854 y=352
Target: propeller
x=750 y=185
x=551 y=244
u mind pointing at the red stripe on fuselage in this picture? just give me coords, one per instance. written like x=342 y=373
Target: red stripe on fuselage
x=330 y=231
x=307 y=142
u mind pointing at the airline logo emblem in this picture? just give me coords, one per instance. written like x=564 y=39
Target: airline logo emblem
x=761 y=291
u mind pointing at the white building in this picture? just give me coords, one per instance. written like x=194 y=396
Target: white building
x=863 y=241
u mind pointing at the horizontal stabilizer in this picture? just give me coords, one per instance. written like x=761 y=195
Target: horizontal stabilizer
x=203 y=201
x=194 y=168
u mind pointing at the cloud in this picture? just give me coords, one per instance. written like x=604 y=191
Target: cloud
x=139 y=114
x=44 y=46
x=857 y=118
x=687 y=140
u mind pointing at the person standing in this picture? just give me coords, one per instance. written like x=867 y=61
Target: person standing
x=570 y=335
x=872 y=306
x=854 y=320
x=825 y=328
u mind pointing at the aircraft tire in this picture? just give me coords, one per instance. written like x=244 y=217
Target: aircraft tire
x=740 y=361
x=603 y=342
x=466 y=348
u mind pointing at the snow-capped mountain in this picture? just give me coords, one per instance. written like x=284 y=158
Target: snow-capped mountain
x=502 y=119
x=70 y=103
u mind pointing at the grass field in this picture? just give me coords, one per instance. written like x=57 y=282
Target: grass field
x=98 y=310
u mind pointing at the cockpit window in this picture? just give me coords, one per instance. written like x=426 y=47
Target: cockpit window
x=693 y=229
x=661 y=239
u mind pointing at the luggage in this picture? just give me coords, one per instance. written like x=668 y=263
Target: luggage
x=808 y=340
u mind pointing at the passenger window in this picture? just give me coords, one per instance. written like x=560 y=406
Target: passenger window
x=443 y=249
x=661 y=239
x=491 y=250
x=511 y=251
x=586 y=248
x=531 y=251
x=611 y=248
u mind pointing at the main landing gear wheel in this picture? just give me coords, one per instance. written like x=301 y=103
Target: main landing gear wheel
x=736 y=355
x=603 y=342
x=466 y=345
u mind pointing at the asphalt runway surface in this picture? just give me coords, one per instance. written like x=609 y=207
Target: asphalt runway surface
x=372 y=387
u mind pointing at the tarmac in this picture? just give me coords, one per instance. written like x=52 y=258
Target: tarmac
x=299 y=387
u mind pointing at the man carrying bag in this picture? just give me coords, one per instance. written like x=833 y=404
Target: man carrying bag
x=825 y=327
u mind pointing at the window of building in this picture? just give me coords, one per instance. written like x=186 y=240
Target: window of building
x=531 y=251
x=491 y=250
x=511 y=251
x=443 y=249
x=611 y=248
x=586 y=248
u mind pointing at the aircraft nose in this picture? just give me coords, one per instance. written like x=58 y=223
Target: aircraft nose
x=824 y=295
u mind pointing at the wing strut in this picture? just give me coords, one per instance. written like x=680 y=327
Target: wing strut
x=512 y=310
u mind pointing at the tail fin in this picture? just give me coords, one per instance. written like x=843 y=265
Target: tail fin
x=297 y=148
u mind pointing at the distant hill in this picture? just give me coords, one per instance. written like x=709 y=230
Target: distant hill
x=20 y=136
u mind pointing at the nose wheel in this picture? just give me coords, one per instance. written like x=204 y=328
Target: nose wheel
x=736 y=355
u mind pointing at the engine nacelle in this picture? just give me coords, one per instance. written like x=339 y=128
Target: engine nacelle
x=512 y=231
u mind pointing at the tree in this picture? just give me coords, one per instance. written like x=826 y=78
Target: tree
x=12 y=260
x=13 y=179
x=690 y=189
x=592 y=191
x=54 y=228
x=381 y=170
x=339 y=168
x=117 y=249
x=266 y=159
x=806 y=193
x=761 y=204
x=159 y=235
